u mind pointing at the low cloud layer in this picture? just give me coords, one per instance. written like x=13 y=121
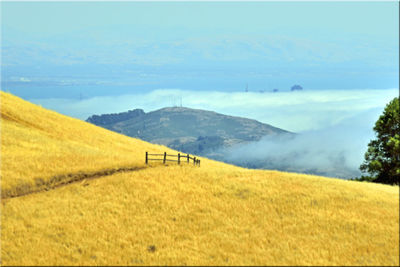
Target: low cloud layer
x=293 y=111
x=333 y=126
x=335 y=151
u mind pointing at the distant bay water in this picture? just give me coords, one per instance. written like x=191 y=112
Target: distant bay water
x=139 y=82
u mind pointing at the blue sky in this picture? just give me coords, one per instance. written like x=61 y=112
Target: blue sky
x=371 y=18
x=65 y=49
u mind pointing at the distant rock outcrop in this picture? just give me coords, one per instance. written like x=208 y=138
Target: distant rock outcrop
x=296 y=87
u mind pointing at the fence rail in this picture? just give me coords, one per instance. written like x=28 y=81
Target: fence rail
x=187 y=157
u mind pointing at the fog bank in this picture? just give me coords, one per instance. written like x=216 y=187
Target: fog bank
x=333 y=126
x=335 y=151
x=292 y=111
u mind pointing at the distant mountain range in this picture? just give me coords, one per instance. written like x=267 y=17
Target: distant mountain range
x=151 y=59
x=192 y=131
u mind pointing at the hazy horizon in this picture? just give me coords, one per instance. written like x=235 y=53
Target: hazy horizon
x=85 y=58
x=68 y=49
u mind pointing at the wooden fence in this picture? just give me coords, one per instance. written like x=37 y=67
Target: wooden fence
x=180 y=158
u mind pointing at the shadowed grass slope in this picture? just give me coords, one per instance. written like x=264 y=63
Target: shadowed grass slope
x=175 y=215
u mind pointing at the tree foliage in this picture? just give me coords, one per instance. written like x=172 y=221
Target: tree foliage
x=382 y=159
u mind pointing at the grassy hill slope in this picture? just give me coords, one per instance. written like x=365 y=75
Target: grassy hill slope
x=175 y=215
x=38 y=146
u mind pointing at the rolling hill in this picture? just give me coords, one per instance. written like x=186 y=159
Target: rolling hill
x=112 y=209
x=193 y=131
x=38 y=145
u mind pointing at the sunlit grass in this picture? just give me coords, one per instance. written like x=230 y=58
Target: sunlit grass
x=175 y=215
x=38 y=143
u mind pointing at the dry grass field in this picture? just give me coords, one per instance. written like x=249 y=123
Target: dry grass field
x=38 y=144
x=216 y=214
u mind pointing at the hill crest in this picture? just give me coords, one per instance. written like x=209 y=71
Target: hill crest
x=194 y=131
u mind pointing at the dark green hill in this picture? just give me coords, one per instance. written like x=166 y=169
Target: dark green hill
x=192 y=131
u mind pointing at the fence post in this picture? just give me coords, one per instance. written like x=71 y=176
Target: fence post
x=147 y=157
x=165 y=157
x=194 y=161
x=187 y=158
x=179 y=158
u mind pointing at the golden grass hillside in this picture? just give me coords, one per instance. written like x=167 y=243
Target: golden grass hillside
x=41 y=147
x=176 y=215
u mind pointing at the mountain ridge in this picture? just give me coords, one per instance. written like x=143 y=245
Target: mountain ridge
x=194 y=131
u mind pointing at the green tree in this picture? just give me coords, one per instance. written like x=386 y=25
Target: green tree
x=382 y=159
